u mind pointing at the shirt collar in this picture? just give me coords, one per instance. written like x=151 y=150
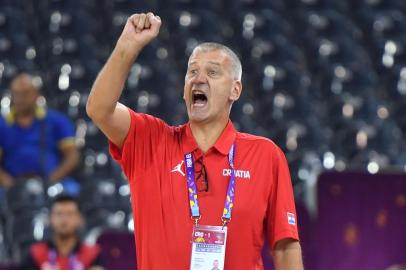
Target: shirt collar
x=223 y=143
x=40 y=113
x=76 y=248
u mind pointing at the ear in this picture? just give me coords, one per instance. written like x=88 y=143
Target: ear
x=236 y=91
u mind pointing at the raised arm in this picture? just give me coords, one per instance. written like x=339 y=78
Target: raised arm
x=102 y=105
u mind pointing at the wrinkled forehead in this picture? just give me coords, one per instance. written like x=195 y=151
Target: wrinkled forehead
x=214 y=56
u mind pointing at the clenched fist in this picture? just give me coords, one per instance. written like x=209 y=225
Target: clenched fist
x=140 y=29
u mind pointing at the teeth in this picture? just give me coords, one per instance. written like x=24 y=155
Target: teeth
x=197 y=92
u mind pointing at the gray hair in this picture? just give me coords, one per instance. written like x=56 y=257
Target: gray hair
x=235 y=61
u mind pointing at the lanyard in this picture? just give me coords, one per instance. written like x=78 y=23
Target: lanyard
x=192 y=190
x=73 y=262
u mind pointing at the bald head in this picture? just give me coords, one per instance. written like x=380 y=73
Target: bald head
x=24 y=80
x=236 y=67
x=24 y=93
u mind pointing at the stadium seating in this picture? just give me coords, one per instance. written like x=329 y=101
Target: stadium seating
x=321 y=78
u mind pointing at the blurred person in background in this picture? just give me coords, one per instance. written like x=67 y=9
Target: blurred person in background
x=64 y=250
x=35 y=141
x=154 y=156
x=396 y=267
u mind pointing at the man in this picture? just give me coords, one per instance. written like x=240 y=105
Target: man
x=64 y=251
x=165 y=164
x=215 y=265
x=35 y=142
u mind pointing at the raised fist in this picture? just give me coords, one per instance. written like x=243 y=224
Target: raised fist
x=139 y=30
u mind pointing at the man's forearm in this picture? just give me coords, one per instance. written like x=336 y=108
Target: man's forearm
x=288 y=255
x=68 y=164
x=109 y=84
x=6 y=180
x=113 y=118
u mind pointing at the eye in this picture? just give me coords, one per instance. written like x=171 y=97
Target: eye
x=212 y=72
x=193 y=71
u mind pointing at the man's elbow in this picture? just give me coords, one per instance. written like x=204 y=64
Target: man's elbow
x=287 y=244
x=97 y=268
x=287 y=254
x=90 y=109
x=98 y=113
x=76 y=157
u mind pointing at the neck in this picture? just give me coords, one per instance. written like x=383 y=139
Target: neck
x=25 y=118
x=206 y=134
x=65 y=245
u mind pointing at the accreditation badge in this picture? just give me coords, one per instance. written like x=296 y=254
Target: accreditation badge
x=208 y=247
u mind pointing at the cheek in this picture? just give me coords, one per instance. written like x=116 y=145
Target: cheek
x=52 y=223
x=186 y=89
x=221 y=95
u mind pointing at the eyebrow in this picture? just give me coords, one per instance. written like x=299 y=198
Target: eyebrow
x=214 y=63
x=210 y=62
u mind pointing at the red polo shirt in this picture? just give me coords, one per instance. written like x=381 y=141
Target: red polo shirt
x=152 y=157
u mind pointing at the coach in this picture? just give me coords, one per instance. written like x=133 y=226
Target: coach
x=204 y=169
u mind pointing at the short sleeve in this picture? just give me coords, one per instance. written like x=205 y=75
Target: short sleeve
x=64 y=131
x=281 y=219
x=141 y=144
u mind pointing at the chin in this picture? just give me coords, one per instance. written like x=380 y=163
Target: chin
x=198 y=118
x=65 y=235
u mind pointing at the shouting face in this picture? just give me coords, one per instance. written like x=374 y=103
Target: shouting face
x=210 y=86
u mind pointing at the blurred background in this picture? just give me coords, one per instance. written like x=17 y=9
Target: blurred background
x=324 y=79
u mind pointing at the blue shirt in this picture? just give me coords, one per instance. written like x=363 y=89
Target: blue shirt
x=34 y=150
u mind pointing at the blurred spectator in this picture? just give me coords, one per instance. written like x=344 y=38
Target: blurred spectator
x=64 y=250
x=396 y=267
x=35 y=141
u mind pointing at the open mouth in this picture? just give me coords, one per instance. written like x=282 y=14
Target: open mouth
x=199 y=98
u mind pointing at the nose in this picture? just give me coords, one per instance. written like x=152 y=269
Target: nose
x=199 y=78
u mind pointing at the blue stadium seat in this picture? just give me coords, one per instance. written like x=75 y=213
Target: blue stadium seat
x=249 y=5
x=318 y=4
x=326 y=23
x=27 y=194
x=275 y=49
x=261 y=23
x=212 y=5
x=187 y=28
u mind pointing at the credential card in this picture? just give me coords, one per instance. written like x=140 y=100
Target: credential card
x=208 y=247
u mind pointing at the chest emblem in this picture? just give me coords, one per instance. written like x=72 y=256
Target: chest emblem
x=178 y=168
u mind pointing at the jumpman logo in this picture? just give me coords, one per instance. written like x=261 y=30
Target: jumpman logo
x=178 y=168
